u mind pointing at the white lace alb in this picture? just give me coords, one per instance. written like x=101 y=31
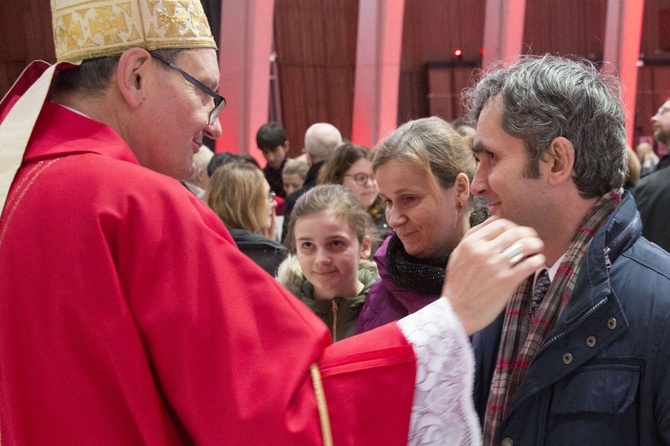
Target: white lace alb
x=443 y=412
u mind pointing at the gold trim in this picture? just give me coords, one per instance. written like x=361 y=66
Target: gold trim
x=321 y=405
x=88 y=29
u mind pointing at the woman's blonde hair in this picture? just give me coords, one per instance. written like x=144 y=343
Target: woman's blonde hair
x=236 y=192
x=431 y=144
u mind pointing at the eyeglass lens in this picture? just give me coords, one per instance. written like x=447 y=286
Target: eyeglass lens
x=219 y=101
x=362 y=178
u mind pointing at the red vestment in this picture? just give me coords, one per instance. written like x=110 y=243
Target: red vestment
x=128 y=316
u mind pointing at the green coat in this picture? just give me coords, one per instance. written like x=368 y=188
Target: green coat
x=339 y=314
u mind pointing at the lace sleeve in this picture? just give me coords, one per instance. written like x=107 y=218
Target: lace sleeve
x=443 y=411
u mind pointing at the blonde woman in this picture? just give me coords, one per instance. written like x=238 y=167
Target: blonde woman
x=241 y=197
x=423 y=171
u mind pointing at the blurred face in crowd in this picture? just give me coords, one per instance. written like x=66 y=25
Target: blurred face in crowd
x=274 y=156
x=292 y=182
x=360 y=180
x=661 y=124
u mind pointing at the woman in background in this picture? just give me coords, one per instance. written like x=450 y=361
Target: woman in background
x=240 y=195
x=423 y=170
x=351 y=166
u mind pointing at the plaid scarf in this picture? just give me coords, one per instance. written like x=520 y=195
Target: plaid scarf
x=521 y=339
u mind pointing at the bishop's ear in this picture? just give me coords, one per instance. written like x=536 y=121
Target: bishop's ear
x=133 y=69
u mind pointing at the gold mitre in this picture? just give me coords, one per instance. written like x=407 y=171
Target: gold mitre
x=98 y=28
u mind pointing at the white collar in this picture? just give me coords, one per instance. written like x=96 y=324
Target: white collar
x=73 y=110
x=551 y=270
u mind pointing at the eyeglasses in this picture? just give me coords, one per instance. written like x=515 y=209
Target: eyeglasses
x=361 y=178
x=219 y=101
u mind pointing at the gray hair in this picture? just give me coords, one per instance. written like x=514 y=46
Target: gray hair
x=544 y=97
x=203 y=157
x=321 y=139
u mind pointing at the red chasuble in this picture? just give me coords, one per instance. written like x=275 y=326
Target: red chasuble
x=129 y=317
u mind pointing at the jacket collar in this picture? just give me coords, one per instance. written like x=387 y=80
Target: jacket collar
x=621 y=229
x=664 y=162
x=591 y=305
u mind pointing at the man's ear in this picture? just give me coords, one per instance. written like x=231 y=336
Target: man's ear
x=133 y=68
x=285 y=145
x=559 y=160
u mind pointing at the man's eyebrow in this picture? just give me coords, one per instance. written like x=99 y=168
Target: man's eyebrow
x=479 y=148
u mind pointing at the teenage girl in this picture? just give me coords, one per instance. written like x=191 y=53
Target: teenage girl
x=330 y=237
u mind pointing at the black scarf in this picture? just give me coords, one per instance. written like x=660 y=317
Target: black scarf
x=424 y=276
x=412 y=273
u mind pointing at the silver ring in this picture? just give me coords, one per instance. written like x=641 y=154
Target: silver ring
x=514 y=253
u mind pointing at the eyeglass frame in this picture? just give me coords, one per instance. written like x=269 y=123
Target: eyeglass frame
x=219 y=101
x=364 y=181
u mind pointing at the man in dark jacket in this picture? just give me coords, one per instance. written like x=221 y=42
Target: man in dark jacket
x=652 y=193
x=581 y=356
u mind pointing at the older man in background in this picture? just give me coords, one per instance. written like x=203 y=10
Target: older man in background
x=321 y=140
x=198 y=181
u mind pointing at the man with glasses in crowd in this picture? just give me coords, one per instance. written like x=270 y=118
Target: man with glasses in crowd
x=652 y=193
x=128 y=316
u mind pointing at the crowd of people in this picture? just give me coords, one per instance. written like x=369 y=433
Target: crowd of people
x=496 y=280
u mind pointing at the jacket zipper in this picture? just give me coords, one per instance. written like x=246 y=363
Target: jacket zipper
x=334 y=321
x=623 y=235
x=574 y=326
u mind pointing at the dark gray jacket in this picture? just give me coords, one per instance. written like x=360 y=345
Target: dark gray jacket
x=652 y=195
